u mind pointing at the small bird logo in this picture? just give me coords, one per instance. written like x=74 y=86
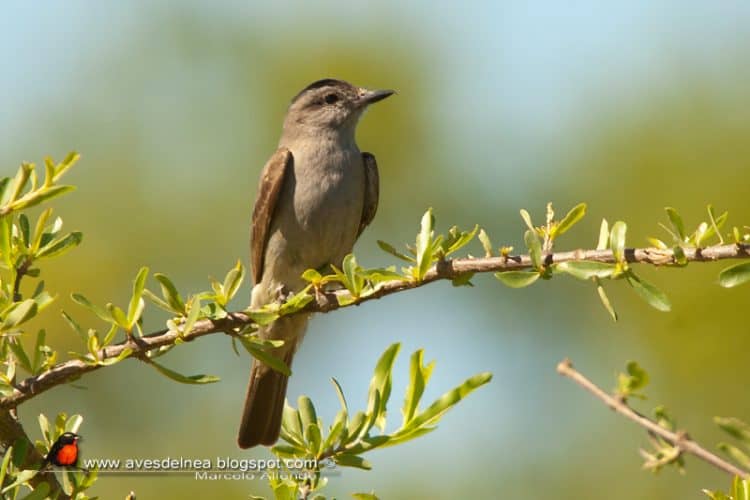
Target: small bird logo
x=64 y=453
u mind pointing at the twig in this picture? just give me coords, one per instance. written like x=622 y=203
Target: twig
x=327 y=301
x=679 y=439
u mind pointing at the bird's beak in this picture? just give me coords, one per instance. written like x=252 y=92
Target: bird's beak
x=367 y=97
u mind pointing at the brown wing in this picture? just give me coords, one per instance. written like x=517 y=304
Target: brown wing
x=372 y=191
x=271 y=180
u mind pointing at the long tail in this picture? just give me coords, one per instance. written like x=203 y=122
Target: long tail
x=266 y=391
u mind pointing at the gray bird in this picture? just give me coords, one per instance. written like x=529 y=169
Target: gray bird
x=316 y=195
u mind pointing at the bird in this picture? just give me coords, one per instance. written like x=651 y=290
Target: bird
x=316 y=195
x=64 y=451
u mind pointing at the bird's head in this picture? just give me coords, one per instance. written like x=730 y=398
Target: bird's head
x=69 y=438
x=331 y=104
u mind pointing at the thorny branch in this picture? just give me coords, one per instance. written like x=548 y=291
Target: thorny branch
x=679 y=439
x=327 y=301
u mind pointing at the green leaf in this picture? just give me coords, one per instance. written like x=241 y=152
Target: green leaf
x=486 y=243
x=21 y=478
x=347 y=460
x=5 y=243
x=617 y=240
x=576 y=213
x=648 y=292
x=118 y=315
x=233 y=280
x=735 y=428
x=98 y=311
x=354 y=281
x=306 y=411
x=435 y=411
x=313 y=437
x=23 y=226
x=60 y=246
x=40 y=196
x=679 y=256
x=262 y=317
x=21 y=356
x=517 y=279
x=585 y=269
x=380 y=385
x=605 y=300
x=159 y=302
x=170 y=293
x=19 y=313
x=178 y=377
x=264 y=356
x=365 y=496
x=41 y=491
x=458 y=239
x=292 y=424
x=735 y=275
x=535 y=248
x=388 y=248
x=677 y=223
x=419 y=375
x=634 y=380
x=312 y=276
x=735 y=454
x=424 y=245
x=136 y=300
x=73 y=423
x=68 y=162
x=192 y=317
x=8 y=453
x=527 y=219
x=716 y=223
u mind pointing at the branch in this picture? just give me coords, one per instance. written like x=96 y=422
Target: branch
x=328 y=301
x=679 y=439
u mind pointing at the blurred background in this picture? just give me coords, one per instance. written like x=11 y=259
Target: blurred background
x=175 y=107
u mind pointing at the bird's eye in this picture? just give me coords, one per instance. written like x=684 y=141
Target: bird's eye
x=332 y=98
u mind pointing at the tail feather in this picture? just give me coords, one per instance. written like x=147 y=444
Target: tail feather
x=264 y=405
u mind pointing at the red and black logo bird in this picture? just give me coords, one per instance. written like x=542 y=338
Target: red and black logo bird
x=64 y=453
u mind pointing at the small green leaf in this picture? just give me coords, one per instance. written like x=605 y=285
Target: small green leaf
x=735 y=428
x=419 y=375
x=193 y=314
x=170 y=293
x=716 y=223
x=98 y=311
x=535 y=248
x=19 y=313
x=136 y=301
x=388 y=248
x=605 y=300
x=264 y=356
x=312 y=276
x=60 y=246
x=365 y=496
x=262 y=317
x=436 y=410
x=648 y=292
x=313 y=437
x=677 y=223
x=617 y=240
x=585 y=269
x=424 y=245
x=233 y=280
x=679 y=256
x=517 y=279
x=123 y=355
x=23 y=225
x=306 y=411
x=486 y=243
x=576 y=213
x=118 y=315
x=527 y=219
x=380 y=385
x=735 y=275
x=634 y=380
x=21 y=356
x=178 y=377
x=40 y=196
x=347 y=460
